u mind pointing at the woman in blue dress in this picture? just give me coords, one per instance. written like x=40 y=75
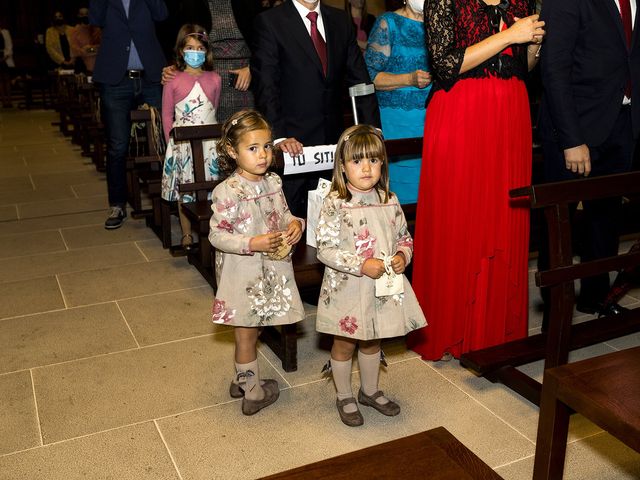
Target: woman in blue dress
x=396 y=57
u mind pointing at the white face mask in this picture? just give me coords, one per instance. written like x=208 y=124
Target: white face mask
x=416 y=5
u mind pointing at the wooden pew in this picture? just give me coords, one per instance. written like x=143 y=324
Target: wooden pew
x=144 y=164
x=434 y=455
x=199 y=211
x=498 y=363
x=604 y=389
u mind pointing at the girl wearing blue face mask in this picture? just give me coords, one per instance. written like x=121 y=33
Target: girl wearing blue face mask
x=190 y=98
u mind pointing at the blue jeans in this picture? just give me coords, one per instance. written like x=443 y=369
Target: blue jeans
x=117 y=102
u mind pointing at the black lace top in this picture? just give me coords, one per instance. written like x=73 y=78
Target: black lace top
x=454 y=25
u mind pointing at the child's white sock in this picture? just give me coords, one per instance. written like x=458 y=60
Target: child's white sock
x=341 y=372
x=369 y=370
x=251 y=375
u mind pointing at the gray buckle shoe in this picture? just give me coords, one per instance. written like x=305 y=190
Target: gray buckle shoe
x=390 y=409
x=236 y=391
x=271 y=394
x=349 y=419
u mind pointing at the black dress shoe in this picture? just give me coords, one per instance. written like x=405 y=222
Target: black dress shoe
x=611 y=309
x=590 y=308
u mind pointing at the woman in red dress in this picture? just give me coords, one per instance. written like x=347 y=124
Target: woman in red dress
x=471 y=240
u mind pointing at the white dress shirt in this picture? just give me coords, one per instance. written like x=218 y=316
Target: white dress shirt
x=304 y=11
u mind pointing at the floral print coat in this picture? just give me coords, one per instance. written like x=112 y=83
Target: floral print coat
x=349 y=233
x=253 y=290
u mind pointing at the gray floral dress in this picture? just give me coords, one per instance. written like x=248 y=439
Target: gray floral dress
x=253 y=290
x=349 y=233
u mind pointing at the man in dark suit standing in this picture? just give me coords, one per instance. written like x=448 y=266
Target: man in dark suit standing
x=128 y=71
x=305 y=56
x=590 y=114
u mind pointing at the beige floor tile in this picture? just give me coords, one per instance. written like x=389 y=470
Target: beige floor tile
x=535 y=369
x=78 y=260
x=18 y=419
x=505 y=403
x=61 y=207
x=171 y=316
x=90 y=236
x=68 y=178
x=600 y=457
x=130 y=453
x=92 y=395
x=30 y=296
x=29 y=244
x=628 y=341
x=55 y=337
x=89 y=189
x=212 y=443
x=127 y=281
x=314 y=351
x=40 y=195
x=8 y=213
x=13 y=170
x=15 y=184
x=153 y=250
x=53 y=222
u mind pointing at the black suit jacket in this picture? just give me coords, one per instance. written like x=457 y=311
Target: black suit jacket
x=585 y=66
x=289 y=85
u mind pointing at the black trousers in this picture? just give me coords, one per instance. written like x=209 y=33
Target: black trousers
x=600 y=232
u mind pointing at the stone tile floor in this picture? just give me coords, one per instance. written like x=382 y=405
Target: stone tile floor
x=110 y=367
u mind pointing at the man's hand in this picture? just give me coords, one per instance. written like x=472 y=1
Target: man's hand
x=578 y=160
x=291 y=146
x=168 y=74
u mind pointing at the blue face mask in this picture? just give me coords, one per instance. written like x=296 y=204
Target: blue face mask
x=194 y=58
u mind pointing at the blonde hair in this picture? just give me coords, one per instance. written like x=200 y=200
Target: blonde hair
x=356 y=143
x=236 y=126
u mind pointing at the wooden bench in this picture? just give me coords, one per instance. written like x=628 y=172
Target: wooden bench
x=199 y=211
x=605 y=389
x=434 y=455
x=144 y=165
x=498 y=363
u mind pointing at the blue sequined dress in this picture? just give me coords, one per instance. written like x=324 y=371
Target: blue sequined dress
x=397 y=45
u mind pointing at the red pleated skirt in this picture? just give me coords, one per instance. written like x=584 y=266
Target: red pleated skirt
x=471 y=239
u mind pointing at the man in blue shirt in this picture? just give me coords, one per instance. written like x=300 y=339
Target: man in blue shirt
x=128 y=70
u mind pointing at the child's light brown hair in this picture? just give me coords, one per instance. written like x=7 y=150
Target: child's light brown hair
x=356 y=143
x=237 y=125
x=200 y=34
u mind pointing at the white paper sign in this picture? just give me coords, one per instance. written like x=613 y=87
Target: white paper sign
x=313 y=159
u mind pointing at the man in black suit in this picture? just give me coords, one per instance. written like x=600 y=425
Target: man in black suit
x=590 y=114
x=127 y=71
x=305 y=56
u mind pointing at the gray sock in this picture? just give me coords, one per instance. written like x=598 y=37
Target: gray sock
x=369 y=370
x=341 y=372
x=251 y=375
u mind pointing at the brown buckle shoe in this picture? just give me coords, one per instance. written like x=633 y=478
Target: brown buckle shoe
x=390 y=409
x=271 y=394
x=349 y=419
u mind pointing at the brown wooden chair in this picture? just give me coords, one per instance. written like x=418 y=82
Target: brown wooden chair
x=499 y=363
x=199 y=211
x=144 y=163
